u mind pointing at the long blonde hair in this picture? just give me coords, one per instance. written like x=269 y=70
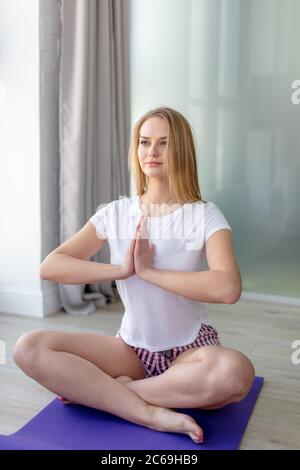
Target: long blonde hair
x=180 y=165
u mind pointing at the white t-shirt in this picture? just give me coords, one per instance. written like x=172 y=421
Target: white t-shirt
x=154 y=318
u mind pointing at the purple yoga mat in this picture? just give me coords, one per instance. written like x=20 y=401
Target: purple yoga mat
x=60 y=426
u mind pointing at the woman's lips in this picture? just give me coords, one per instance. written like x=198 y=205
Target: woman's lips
x=153 y=164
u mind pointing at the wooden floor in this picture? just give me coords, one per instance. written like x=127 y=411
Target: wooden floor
x=263 y=332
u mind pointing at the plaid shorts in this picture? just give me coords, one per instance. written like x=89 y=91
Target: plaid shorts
x=155 y=363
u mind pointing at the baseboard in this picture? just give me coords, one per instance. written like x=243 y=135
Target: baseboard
x=271 y=299
x=28 y=302
x=52 y=301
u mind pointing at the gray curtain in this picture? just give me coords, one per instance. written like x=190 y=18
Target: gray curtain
x=94 y=126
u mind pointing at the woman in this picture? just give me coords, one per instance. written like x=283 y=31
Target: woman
x=165 y=354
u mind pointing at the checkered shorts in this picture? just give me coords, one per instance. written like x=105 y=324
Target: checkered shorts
x=155 y=363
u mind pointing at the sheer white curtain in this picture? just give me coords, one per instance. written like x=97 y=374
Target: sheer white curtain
x=228 y=65
x=94 y=123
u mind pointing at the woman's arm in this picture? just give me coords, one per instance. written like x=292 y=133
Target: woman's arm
x=221 y=284
x=65 y=269
x=68 y=263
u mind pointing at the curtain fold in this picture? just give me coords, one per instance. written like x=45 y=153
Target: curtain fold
x=94 y=127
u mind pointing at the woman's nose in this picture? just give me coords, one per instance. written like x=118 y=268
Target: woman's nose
x=153 y=150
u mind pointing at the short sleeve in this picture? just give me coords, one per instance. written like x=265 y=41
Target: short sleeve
x=214 y=220
x=99 y=220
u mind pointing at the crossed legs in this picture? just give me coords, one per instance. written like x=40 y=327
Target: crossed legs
x=208 y=377
x=83 y=367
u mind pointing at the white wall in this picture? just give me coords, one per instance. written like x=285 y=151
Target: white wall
x=20 y=239
x=159 y=47
x=159 y=55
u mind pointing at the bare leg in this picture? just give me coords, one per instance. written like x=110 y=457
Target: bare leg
x=196 y=384
x=122 y=379
x=82 y=382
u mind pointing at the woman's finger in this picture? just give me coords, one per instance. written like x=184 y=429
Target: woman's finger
x=136 y=231
x=143 y=228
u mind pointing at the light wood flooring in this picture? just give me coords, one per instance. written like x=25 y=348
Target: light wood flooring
x=262 y=331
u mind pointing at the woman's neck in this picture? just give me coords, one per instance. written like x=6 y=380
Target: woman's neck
x=156 y=209
x=152 y=198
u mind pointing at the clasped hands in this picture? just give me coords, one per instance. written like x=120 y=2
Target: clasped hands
x=139 y=256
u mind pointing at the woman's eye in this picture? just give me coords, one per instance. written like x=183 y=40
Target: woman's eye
x=146 y=142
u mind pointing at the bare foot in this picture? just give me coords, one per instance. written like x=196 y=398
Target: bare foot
x=65 y=401
x=167 y=420
x=123 y=379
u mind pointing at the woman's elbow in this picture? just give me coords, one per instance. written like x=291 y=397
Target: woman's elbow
x=233 y=293
x=45 y=270
x=233 y=297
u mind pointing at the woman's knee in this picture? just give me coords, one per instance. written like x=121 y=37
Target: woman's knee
x=239 y=374
x=232 y=376
x=27 y=351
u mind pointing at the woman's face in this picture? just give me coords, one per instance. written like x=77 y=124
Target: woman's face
x=152 y=145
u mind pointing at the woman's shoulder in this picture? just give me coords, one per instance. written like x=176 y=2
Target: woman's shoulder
x=210 y=209
x=120 y=206
x=207 y=204
x=121 y=201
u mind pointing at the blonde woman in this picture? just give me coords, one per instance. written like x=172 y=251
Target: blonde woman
x=170 y=251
